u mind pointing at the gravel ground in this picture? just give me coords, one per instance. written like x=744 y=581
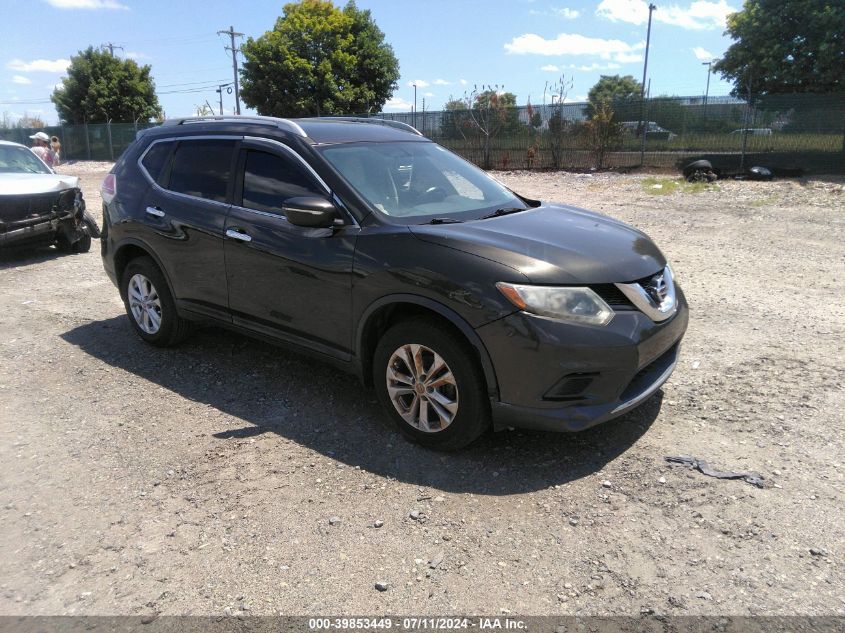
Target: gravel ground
x=227 y=476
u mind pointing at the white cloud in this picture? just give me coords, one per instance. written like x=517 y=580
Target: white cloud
x=17 y=79
x=428 y=94
x=421 y=83
x=700 y=14
x=550 y=68
x=595 y=66
x=136 y=55
x=702 y=54
x=573 y=44
x=463 y=82
x=628 y=58
x=39 y=65
x=441 y=82
x=566 y=13
x=86 y=4
x=398 y=104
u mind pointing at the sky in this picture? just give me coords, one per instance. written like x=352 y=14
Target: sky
x=445 y=47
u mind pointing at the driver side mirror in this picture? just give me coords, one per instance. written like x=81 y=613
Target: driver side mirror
x=311 y=212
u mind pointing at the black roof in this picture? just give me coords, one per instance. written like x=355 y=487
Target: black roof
x=326 y=130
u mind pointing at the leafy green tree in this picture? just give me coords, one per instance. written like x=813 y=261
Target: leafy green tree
x=622 y=94
x=319 y=60
x=100 y=87
x=786 y=46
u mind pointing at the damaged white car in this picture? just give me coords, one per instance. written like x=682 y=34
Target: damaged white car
x=39 y=207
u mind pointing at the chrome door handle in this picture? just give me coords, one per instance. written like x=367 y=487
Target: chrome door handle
x=237 y=235
x=155 y=211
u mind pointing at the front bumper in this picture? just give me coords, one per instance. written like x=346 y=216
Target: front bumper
x=558 y=376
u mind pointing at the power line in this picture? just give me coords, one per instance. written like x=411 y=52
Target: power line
x=232 y=34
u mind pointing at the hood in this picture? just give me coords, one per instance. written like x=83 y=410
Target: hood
x=555 y=244
x=21 y=184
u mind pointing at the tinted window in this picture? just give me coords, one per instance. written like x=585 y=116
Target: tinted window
x=201 y=168
x=155 y=158
x=270 y=179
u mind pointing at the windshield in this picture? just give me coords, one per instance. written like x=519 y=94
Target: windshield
x=418 y=181
x=19 y=160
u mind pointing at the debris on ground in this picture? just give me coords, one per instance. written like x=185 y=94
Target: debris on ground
x=704 y=468
x=700 y=171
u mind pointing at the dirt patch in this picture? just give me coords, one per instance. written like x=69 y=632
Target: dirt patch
x=203 y=479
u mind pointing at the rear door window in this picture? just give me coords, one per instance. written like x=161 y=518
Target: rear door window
x=202 y=168
x=270 y=179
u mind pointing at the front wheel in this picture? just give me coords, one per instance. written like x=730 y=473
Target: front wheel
x=431 y=385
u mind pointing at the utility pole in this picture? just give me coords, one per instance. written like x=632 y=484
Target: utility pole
x=232 y=35
x=111 y=47
x=219 y=91
x=707 y=89
x=651 y=8
x=415 y=105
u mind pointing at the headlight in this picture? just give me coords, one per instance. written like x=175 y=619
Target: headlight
x=568 y=304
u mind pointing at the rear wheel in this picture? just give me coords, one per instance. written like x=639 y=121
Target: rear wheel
x=431 y=385
x=149 y=304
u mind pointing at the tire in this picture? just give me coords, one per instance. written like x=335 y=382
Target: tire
x=149 y=304
x=454 y=396
x=74 y=240
x=89 y=221
x=83 y=244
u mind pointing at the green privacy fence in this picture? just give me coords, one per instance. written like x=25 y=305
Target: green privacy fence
x=803 y=131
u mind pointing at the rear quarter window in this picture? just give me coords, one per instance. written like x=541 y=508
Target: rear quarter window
x=202 y=168
x=155 y=159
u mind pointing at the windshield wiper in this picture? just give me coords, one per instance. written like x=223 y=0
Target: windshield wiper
x=443 y=221
x=505 y=211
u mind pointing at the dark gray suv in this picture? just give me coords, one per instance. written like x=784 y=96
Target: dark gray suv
x=464 y=304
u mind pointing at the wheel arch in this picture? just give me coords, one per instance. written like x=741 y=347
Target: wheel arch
x=391 y=309
x=132 y=249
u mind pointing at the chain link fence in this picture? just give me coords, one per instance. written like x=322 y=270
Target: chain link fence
x=797 y=131
x=92 y=141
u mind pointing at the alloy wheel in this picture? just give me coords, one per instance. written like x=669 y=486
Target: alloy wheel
x=422 y=388
x=144 y=303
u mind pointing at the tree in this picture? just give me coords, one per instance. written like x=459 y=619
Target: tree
x=484 y=114
x=456 y=121
x=621 y=93
x=100 y=87
x=785 y=46
x=319 y=60
x=603 y=134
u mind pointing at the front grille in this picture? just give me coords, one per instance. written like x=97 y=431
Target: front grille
x=613 y=297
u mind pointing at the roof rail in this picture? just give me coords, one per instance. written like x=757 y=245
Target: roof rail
x=360 y=119
x=284 y=124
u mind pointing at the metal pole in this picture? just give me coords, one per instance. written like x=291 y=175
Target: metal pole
x=745 y=128
x=651 y=8
x=111 y=147
x=87 y=142
x=220 y=93
x=232 y=34
x=645 y=126
x=707 y=89
x=415 y=105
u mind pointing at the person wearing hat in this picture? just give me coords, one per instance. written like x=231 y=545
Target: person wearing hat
x=41 y=148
